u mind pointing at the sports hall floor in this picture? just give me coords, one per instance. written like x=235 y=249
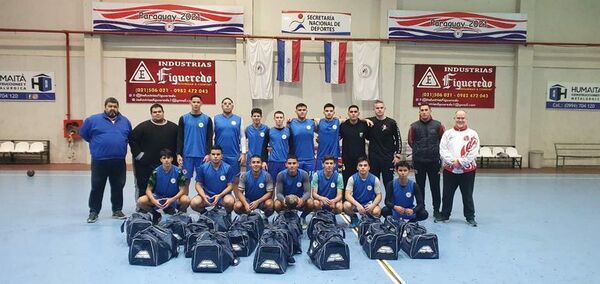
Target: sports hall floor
x=534 y=227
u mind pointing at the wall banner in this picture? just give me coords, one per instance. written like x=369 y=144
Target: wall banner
x=465 y=26
x=323 y=23
x=170 y=80
x=27 y=86
x=168 y=18
x=577 y=96
x=456 y=86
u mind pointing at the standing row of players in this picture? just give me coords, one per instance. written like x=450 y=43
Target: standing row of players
x=271 y=147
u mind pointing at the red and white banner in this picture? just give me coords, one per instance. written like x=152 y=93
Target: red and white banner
x=288 y=60
x=170 y=80
x=168 y=18
x=456 y=86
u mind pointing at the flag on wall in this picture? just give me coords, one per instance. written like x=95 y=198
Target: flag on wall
x=288 y=60
x=365 y=67
x=259 y=58
x=335 y=62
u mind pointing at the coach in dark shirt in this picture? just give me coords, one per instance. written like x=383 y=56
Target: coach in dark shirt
x=353 y=133
x=384 y=143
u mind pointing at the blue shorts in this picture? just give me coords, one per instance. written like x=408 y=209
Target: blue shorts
x=234 y=164
x=175 y=204
x=354 y=209
x=274 y=168
x=397 y=215
x=189 y=164
x=308 y=166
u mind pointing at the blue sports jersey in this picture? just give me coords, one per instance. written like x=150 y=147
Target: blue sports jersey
x=363 y=191
x=329 y=138
x=227 y=134
x=214 y=181
x=195 y=132
x=279 y=140
x=167 y=184
x=404 y=197
x=256 y=138
x=255 y=187
x=303 y=134
x=327 y=186
x=293 y=184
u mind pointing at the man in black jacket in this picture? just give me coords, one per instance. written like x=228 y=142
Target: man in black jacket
x=424 y=139
x=146 y=140
x=385 y=144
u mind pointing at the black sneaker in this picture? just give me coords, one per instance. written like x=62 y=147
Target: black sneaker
x=169 y=210
x=437 y=214
x=93 y=217
x=441 y=219
x=156 y=216
x=118 y=214
x=472 y=222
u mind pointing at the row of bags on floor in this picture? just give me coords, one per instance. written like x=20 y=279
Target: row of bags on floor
x=383 y=240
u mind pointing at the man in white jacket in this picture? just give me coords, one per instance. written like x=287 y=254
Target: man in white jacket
x=458 y=150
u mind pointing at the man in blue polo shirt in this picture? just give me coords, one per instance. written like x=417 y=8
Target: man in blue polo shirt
x=194 y=139
x=363 y=193
x=277 y=139
x=327 y=186
x=293 y=182
x=328 y=131
x=256 y=134
x=254 y=190
x=401 y=194
x=107 y=133
x=214 y=183
x=230 y=135
x=166 y=189
x=302 y=133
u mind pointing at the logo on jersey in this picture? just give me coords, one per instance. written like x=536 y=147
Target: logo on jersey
x=332 y=185
x=334 y=127
x=261 y=185
x=308 y=127
x=360 y=134
x=222 y=178
x=173 y=180
x=201 y=124
x=298 y=184
x=184 y=171
x=408 y=195
x=369 y=188
x=233 y=123
x=283 y=136
x=262 y=134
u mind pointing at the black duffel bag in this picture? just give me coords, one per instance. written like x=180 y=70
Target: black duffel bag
x=328 y=251
x=380 y=243
x=222 y=220
x=243 y=238
x=274 y=252
x=213 y=253
x=152 y=246
x=135 y=223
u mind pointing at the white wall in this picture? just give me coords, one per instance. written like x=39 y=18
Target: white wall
x=97 y=67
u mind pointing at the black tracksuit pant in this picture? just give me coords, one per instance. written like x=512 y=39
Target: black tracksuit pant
x=423 y=170
x=466 y=182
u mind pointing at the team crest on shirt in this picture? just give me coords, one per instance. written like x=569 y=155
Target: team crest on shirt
x=332 y=185
x=261 y=185
x=233 y=122
x=383 y=127
x=298 y=184
x=369 y=188
x=408 y=195
x=173 y=180
x=201 y=124
x=360 y=134
x=222 y=178
x=184 y=171
x=283 y=136
x=308 y=127
x=334 y=127
x=262 y=134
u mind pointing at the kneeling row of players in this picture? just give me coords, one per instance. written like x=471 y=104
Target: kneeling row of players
x=214 y=243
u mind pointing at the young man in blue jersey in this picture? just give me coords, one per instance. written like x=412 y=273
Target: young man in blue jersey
x=293 y=182
x=256 y=134
x=214 y=183
x=302 y=133
x=401 y=194
x=277 y=140
x=166 y=189
x=328 y=132
x=363 y=193
x=327 y=186
x=255 y=190
x=230 y=135
x=194 y=139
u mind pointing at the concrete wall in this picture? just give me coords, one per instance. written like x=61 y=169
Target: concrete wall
x=522 y=73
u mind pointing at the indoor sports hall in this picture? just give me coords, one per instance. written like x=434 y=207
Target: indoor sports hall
x=524 y=71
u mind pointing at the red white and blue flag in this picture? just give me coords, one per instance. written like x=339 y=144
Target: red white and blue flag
x=335 y=62
x=288 y=60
